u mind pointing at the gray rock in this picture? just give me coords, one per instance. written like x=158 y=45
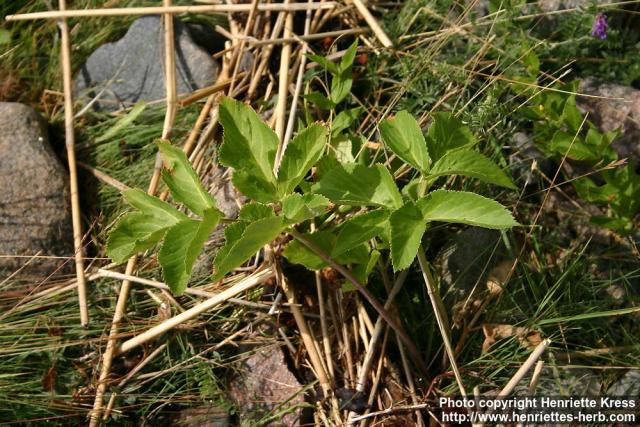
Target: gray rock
x=132 y=68
x=264 y=385
x=628 y=385
x=611 y=114
x=521 y=160
x=34 y=212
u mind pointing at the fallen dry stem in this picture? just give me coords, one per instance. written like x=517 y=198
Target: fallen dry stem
x=131 y=11
x=76 y=219
x=242 y=286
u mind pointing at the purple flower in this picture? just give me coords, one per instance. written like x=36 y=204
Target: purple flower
x=600 y=26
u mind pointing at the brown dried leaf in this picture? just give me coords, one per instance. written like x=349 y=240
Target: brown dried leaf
x=493 y=332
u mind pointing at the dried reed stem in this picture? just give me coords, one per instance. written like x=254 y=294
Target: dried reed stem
x=283 y=90
x=171 y=97
x=266 y=53
x=528 y=364
x=65 y=53
x=131 y=11
x=373 y=23
x=243 y=285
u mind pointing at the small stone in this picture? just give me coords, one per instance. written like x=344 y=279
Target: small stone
x=265 y=383
x=132 y=69
x=527 y=161
x=34 y=201
x=611 y=114
x=628 y=385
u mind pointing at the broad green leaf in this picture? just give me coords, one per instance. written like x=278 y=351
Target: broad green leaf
x=249 y=144
x=301 y=154
x=572 y=146
x=465 y=208
x=182 y=180
x=342 y=82
x=134 y=232
x=320 y=100
x=253 y=187
x=360 y=229
x=346 y=63
x=362 y=271
x=403 y=136
x=297 y=253
x=327 y=64
x=344 y=120
x=255 y=211
x=447 y=133
x=589 y=191
x=417 y=188
x=161 y=212
x=342 y=148
x=408 y=224
x=182 y=245
x=354 y=184
x=122 y=123
x=472 y=164
x=297 y=208
x=254 y=237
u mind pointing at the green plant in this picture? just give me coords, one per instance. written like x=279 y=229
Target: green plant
x=560 y=130
x=367 y=203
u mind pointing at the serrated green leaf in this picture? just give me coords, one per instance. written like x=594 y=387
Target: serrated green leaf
x=319 y=100
x=160 y=211
x=301 y=154
x=135 y=232
x=360 y=229
x=182 y=180
x=354 y=184
x=182 y=245
x=342 y=81
x=297 y=208
x=297 y=253
x=253 y=187
x=344 y=120
x=325 y=63
x=465 y=208
x=255 y=211
x=408 y=224
x=472 y=164
x=403 y=136
x=447 y=133
x=254 y=236
x=249 y=144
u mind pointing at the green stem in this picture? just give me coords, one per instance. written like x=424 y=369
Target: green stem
x=415 y=354
x=441 y=316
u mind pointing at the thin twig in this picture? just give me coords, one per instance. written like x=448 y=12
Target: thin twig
x=243 y=285
x=528 y=364
x=131 y=11
x=118 y=315
x=65 y=53
x=283 y=90
x=373 y=23
x=441 y=317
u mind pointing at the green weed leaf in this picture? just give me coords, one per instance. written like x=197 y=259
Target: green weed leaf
x=360 y=229
x=342 y=81
x=408 y=224
x=243 y=241
x=135 y=232
x=122 y=123
x=447 y=133
x=472 y=164
x=182 y=244
x=249 y=147
x=182 y=180
x=354 y=184
x=403 y=136
x=301 y=154
x=297 y=208
x=465 y=208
